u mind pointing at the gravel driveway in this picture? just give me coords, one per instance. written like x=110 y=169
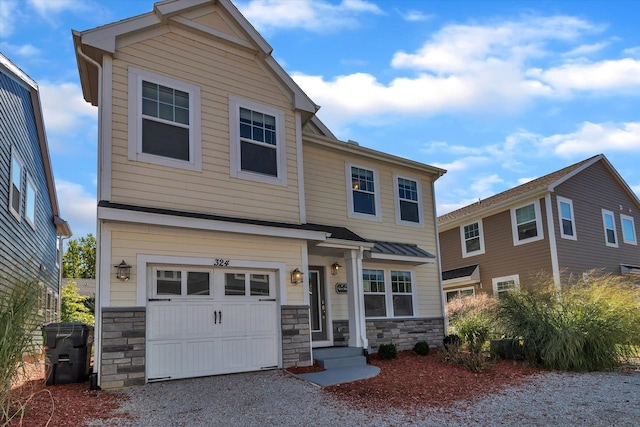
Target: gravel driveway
x=274 y=398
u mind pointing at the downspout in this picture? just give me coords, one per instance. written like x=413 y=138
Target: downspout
x=98 y=311
x=445 y=319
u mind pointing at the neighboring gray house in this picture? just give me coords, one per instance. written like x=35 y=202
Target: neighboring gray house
x=568 y=222
x=31 y=229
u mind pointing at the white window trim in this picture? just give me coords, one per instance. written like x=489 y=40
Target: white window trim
x=376 y=183
x=30 y=183
x=480 y=251
x=623 y=218
x=388 y=294
x=136 y=76
x=559 y=201
x=495 y=281
x=235 y=170
x=604 y=227
x=396 y=192
x=514 y=225
x=16 y=214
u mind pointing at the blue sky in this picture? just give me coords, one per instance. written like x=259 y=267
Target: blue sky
x=496 y=92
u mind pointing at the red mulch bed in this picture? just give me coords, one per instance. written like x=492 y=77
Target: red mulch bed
x=413 y=381
x=304 y=369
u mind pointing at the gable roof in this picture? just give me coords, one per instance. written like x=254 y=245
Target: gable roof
x=62 y=227
x=91 y=45
x=536 y=187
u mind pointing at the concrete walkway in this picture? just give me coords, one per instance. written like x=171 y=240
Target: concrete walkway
x=346 y=374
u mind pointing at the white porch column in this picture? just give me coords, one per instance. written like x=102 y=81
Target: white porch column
x=355 y=297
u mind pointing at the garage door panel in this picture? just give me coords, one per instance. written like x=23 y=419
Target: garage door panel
x=166 y=320
x=202 y=356
x=264 y=352
x=235 y=354
x=235 y=319
x=201 y=319
x=164 y=360
x=262 y=319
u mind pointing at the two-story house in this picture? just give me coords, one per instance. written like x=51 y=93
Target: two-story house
x=566 y=223
x=235 y=232
x=31 y=229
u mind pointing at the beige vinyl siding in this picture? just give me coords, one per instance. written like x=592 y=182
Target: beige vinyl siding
x=219 y=71
x=129 y=240
x=591 y=191
x=501 y=257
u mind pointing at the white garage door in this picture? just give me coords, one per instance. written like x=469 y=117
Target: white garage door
x=207 y=322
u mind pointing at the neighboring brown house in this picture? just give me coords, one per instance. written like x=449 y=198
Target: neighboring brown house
x=568 y=222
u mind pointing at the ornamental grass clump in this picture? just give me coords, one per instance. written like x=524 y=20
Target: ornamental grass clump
x=592 y=324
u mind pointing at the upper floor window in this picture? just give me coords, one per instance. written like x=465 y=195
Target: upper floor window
x=381 y=300
x=363 y=193
x=472 y=239
x=610 y=234
x=628 y=230
x=526 y=223
x=164 y=120
x=30 y=204
x=257 y=142
x=566 y=218
x=15 y=192
x=505 y=284
x=408 y=201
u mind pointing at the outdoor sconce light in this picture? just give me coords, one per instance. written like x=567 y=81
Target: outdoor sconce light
x=123 y=271
x=296 y=276
x=334 y=268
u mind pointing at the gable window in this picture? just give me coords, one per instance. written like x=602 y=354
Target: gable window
x=257 y=142
x=505 y=284
x=30 y=203
x=381 y=300
x=408 y=201
x=609 y=223
x=526 y=223
x=363 y=193
x=460 y=293
x=628 y=230
x=567 y=222
x=164 y=121
x=15 y=192
x=472 y=239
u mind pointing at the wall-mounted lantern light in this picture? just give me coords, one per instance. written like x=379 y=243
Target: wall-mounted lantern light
x=297 y=276
x=123 y=271
x=334 y=268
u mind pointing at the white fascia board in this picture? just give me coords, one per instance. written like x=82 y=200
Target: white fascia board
x=104 y=38
x=300 y=99
x=345 y=244
x=400 y=258
x=206 y=224
x=246 y=26
x=170 y=7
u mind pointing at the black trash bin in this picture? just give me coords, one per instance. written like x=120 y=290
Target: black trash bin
x=67 y=348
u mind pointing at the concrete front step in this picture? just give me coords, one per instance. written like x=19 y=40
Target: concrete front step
x=339 y=357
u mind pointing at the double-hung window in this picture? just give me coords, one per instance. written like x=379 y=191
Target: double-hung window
x=374 y=293
x=363 y=193
x=408 y=201
x=628 y=230
x=257 y=144
x=402 y=293
x=609 y=223
x=164 y=120
x=382 y=300
x=566 y=219
x=526 y=223
x=16 y=190
x=472 y=239
x=505 y=284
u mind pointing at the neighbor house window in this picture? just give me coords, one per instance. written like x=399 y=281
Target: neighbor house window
x=526 y=223
x=15 y=192
x=30 y=203
x=460 y=293
x=628 y=230
x=505 y=284
x=363 y=193
x=472 y=239
x=257 y=142
x=566 y=219
x=164 y=120
x=408 y=201
x=610 y=235
x=381 y=300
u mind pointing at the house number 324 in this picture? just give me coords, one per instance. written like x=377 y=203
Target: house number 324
x=221 y=262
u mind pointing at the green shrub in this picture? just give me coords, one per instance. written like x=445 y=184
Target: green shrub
x=421 y=348
x=592 y=324
x=475 y=330
x=452 y=341
x=387 y=351
x=73 y=308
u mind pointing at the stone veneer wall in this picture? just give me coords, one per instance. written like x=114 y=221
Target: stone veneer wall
x=296 y=336
x=123 y=347
x=404 y=333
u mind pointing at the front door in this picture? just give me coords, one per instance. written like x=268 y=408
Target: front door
x=317 y=300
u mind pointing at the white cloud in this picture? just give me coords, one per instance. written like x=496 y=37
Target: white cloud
x=64 y=108
x=45 y=7
x=463 y=163
x=24 y=51
x=8 y=17
x=316 y=16
x=526 y=179
x=592 y=138
x=482 y=186
x=444 y=147
x=416 y=16
x=77 y=206
x=632 y=51
x=586 y=49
